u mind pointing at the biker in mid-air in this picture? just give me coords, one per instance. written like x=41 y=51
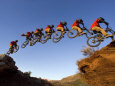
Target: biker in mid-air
x=77 y=27
x=49 y=30
x=61 y=27
x=38 y=33
x=96 y=27
x=12 y=45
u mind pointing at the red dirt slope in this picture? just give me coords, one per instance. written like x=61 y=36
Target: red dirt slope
x=99 y=69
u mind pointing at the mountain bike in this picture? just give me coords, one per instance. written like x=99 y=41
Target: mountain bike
x=12 y=50
x=58 y=35
x=98 y=38
x=46 y=37
x=26 y=43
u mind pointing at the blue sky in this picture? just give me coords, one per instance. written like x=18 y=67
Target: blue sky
x=50 y=60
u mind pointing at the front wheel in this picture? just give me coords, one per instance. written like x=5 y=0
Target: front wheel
x=72 y=33
x=25 y=44
x=93 y=42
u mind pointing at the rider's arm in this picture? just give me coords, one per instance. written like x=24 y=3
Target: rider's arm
x=103 y=21
x=82 y=24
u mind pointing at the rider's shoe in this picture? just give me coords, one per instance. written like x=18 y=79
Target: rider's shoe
x=108 y=35
x=82 y=33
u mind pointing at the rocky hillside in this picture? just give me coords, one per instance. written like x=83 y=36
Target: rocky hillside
x=74 y=80
x=99 y=69
x=11 y=76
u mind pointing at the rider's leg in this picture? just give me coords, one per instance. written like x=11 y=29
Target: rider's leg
x=61 y=29
x=78 y=29
x=99 y=29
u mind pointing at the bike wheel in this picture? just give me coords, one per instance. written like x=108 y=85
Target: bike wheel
x=25 y=44
x=44 y=38
x=33 y=41
x=56 y=40
x=16 y=49
x=93 y=42
x=57 y=35
x=72 y=33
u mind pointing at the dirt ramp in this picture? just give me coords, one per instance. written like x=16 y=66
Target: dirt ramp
x=99 y=69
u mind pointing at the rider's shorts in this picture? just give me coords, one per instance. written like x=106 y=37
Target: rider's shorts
x=60 y=28
x=77 y=28
x=99 y=29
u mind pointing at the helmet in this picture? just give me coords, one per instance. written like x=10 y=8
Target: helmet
x=101 y=19
x=48 y=25
x=51 y=26
x=61 y=22
x=41 y=29
x=80 y=20
x=65 y=23
x=37 y=28
x=16 y=40
x=28 y=32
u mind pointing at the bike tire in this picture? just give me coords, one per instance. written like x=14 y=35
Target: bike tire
x=56 y=40
x=16 y=49
x=33 y=42
x=70 y=33
x=95 y=40
x=57 y=35
x=44 y=37
x=25 y=44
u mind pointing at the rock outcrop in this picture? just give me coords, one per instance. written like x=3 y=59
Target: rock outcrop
x=11 y=76
x=99 y=69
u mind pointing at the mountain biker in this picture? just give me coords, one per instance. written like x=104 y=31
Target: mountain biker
x=49 y=30
x=28 y=35
x=13 y=44
x=38 y=33
x=96 y=27
x=61 y=27
x=77 y=27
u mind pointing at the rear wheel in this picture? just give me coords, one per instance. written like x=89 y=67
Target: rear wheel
x=57 y=35
x=93 y=42
x=72 y=33
x=16 y=49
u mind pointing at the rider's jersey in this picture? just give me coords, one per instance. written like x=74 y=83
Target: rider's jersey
x=76 y=24
x=13 y=43
x=29 y=35
x=48 y=28
x=60 y=25
x=96 y=23
x=38 y=32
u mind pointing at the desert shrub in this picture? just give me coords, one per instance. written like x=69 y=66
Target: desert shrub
x=88 y=51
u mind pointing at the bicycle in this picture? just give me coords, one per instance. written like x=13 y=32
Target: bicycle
x=98 y=38
x=26 y=43
x=58 y=35
x=12 y=50
x=46 y=37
